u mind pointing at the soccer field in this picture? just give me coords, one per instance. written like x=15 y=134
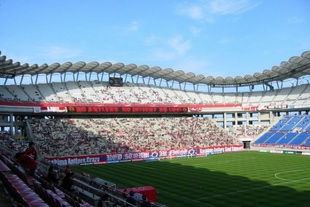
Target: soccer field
x=246 y=179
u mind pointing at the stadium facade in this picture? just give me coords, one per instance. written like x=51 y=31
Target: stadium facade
x=107 y=90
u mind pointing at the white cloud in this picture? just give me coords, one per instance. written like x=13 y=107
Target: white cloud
x=193 y=11
x=179 y=45
x=195 y=31
x=206 y=9
x=231 y=6
x=134 y=26
x=171 y=49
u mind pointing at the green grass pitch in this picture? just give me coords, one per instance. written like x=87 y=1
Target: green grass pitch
x=248 y=179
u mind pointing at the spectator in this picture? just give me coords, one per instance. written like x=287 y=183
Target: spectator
x=17 y=156
x=67 y=182
x=31 y=151
x=67 y=170
x=124 y=194
x=130 y=199
x=103 y=198
x=105 y=187
x=86 y=177
x=145 y=202
x=27 y=162
x=53 y=176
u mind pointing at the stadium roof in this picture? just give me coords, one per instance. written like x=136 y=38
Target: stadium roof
x=295 y=67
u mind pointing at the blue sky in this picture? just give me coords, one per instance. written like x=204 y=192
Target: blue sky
x=208 y=37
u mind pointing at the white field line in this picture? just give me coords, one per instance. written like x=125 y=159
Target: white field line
x=224 y=194
x=279 y=173
x=224 y=162
x=252 y=189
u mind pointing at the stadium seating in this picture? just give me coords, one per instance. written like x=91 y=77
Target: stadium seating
x=17 y=184
x=290 y=131
x=97 y=136
x=100 y=92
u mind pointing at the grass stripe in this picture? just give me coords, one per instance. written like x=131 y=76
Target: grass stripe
x=232 y=179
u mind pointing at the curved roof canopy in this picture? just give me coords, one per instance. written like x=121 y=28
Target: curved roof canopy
x=295 y=67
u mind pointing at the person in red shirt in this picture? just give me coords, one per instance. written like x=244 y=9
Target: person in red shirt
x=67 y=170
x=31 y=151
x=27 y=162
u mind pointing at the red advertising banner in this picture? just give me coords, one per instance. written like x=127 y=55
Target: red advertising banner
x=111 y=109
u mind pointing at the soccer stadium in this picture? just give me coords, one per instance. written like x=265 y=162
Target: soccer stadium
x=148 y=133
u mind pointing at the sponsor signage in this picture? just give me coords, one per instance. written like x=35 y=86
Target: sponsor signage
x=139 y=156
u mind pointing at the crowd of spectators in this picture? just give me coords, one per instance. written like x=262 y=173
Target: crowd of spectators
x=101 y=92
x=247 y=131
x=63 y=137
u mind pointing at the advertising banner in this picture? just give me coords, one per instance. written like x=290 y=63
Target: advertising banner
x=141 y=156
